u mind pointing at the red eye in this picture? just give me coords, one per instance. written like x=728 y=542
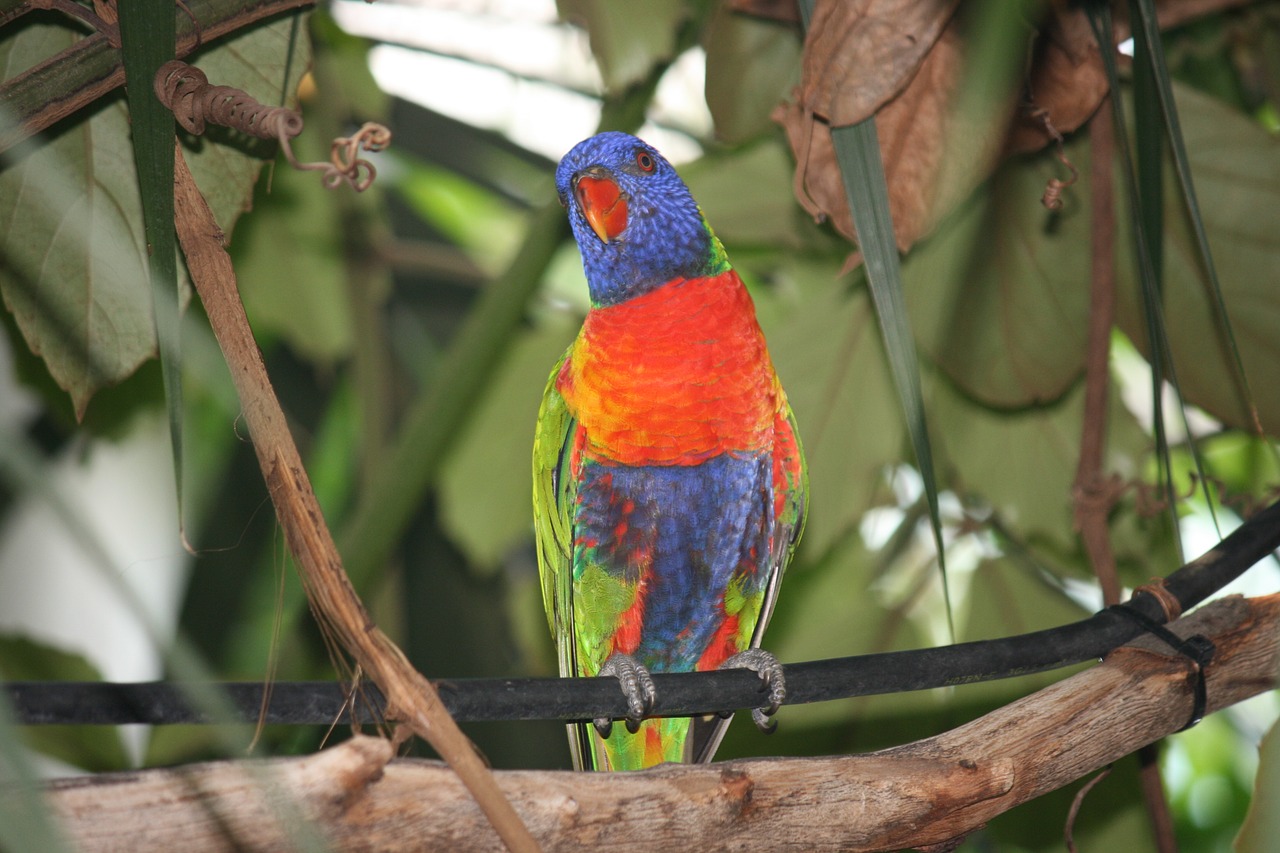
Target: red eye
x=645 y=160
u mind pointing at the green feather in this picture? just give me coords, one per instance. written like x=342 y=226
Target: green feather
x=553 y=497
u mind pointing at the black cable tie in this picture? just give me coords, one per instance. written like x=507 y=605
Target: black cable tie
x=1198 y=649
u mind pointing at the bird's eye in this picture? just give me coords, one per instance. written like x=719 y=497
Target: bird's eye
x=645 y=160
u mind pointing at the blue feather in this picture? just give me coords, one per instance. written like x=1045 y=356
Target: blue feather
x=666 y=237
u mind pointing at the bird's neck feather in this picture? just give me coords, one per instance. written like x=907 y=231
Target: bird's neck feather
x=684 y=360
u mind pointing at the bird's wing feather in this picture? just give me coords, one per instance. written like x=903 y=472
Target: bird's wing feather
x=554 y=490
x=554 y=494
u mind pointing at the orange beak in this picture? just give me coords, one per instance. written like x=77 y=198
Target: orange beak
x=603 y=204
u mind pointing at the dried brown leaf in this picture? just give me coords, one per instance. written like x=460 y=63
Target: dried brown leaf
x=912 y=129
x=1065 y=85
x=818 y=185
x=902 y=60
x=859 y=55
x=783 y=11
x=1067 y=82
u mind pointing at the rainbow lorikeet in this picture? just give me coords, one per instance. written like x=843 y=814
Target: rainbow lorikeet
x=669 y=483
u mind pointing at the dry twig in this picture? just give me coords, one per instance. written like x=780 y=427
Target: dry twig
x=410 y=697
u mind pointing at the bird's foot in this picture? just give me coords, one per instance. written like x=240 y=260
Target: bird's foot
x=775 y=684
x=637 y=686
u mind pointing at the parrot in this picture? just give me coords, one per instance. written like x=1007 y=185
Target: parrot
x=669 y=481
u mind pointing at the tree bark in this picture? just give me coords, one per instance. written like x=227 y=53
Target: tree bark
x=925 y=793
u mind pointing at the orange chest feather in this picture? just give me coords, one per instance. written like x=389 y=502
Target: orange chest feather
x=673 y=377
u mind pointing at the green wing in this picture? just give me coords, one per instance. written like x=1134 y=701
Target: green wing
x=554 y=493
x=553 y=497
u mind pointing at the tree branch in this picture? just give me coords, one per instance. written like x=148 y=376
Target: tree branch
x=924 y=793
x=92 y=67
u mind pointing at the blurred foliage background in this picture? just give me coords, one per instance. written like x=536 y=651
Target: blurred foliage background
x=434 y=305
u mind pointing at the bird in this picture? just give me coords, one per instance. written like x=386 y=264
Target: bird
x=669 y=480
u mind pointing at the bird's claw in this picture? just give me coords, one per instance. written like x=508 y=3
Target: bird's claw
x=775 y=684
x=637 y=686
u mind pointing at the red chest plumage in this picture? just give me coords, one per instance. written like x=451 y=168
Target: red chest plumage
x=673 y=377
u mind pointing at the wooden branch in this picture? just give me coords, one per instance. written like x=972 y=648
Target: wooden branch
x=92 y=67
x=410 y=697
x=924 y=793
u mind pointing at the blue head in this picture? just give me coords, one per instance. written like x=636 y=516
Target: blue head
x=636 y=224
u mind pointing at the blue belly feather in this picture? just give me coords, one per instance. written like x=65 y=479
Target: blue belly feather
x=690 y=531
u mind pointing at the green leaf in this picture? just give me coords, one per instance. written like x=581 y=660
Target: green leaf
x=1147 y=39
x=996 y=294
x=1262 y=824
x=1007 y=598
x=752 y=64
x=1024 y=463
x=74 y=267
x=858 y=153
x=95 y=748
x=746 y=197
x=628 y=39
x=74 y=257
x=147 y=34
x=825 y=346
x=290 y=264
x=485 y=483
x=1236 y=165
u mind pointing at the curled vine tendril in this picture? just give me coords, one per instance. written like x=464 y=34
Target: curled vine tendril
x=345 y=163
x=186 y=91
x=1052 y=198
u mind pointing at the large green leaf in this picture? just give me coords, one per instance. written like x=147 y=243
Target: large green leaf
x=486 y=484
x=628 y=39
x=1236 y=166
x=74 y=271
x=746 y=197
x=1006 y=598
x=95 y=748
x=998 y=297
x=999 y=294
x=826 y=348
x=73 y=253
x=752 y=64
x=1024 y=463
x=1262 y=826
x=290 y=263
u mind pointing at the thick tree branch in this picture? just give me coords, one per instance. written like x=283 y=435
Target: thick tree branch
x=923 y=793
x=92 y=67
